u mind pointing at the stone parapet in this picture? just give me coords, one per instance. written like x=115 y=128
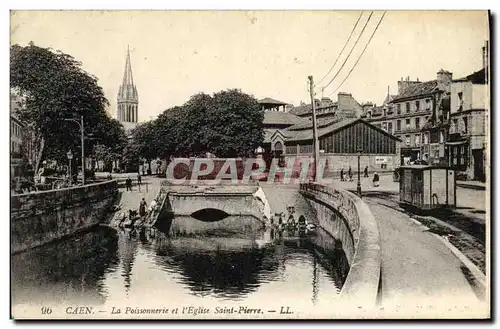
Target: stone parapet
x=42 y=217
x=361 y=243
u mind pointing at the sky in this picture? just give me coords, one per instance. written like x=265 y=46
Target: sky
x=176 y=54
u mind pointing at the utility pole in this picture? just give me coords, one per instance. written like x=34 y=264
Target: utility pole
x=315 y=131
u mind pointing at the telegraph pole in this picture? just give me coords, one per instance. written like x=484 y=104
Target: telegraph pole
x=315 y=131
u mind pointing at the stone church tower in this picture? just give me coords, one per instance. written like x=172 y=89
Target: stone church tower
x=127 y=100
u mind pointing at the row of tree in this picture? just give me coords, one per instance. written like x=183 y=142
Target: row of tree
x=226 y=124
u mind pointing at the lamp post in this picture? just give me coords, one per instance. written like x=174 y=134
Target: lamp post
x=358 y=188
x=80 y=124
x=70 y=157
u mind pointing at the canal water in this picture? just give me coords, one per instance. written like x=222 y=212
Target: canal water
x=106 y=267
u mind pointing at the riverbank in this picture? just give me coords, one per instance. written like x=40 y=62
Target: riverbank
x=42 y=217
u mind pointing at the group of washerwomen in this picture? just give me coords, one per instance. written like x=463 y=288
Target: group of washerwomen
x=288 y=221
x=136 y=218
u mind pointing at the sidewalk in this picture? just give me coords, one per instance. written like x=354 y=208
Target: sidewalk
x=475 y=185
x=417 y=269
x=470 y=202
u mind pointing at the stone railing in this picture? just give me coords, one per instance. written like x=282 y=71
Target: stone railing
x=362 y=241
x=41 y=217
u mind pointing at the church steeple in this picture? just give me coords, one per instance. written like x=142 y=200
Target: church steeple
x=127 y=99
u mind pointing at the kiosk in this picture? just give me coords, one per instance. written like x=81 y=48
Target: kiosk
x=427 y=187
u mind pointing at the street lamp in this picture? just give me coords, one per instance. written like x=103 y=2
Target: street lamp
x=358 y=188
x=80 y=124
x=70 y=157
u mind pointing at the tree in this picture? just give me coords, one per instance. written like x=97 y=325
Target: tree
x=54 y=87
x=228 y=124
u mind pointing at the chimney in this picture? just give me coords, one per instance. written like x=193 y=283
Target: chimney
x=486 y=59
x=444 y=77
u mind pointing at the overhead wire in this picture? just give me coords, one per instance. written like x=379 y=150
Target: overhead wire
x=359 y=57
x=352 y=49
x=343 y=48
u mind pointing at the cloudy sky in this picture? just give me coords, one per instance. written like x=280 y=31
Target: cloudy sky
x=176 y=54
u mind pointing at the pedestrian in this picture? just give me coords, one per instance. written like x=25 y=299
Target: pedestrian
x=142 y=208
x=366 y=171
x=350 y=174
x=342 y=174
x=376 y=179
x=128 y=184
x=139 y=178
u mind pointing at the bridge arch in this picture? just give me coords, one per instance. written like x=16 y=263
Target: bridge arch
x=210 y=214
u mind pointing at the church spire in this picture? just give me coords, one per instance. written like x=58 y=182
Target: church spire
x=128 y=99
x=128 y=79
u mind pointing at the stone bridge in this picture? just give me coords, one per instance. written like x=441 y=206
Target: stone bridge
x=187 y=208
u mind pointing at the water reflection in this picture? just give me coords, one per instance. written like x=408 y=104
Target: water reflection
x=70 y=268
x=106 y=264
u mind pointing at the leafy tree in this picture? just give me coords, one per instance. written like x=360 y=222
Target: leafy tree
x=228 y=124
x=54 y=87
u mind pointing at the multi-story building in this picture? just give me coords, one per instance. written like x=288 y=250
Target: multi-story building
x=346 y=106
x=469 y=107
x=405 y=115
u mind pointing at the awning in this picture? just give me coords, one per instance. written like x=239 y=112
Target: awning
x=456 y=143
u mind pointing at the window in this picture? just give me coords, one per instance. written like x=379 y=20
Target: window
x=417 y=106
x=408 y=125
x=417 y=123
x=389 y=128
x=407 y=107
x=427 y=104
x=398 y=108
x=441 y=137
x=398 y=125
x=385 y=112
x=460 y=101
x=465 y=125
x=426 y=138
x=417 y=139
x=454 y=126
x=407 y=140
x=291 y=149
x=384 y=126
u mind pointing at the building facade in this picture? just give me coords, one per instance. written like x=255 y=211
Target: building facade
x=413 y=108
x=467 y=136
x=345 y=106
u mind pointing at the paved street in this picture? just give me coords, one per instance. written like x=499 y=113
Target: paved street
x=417 y=264
x=470 y=202
x=148 y=190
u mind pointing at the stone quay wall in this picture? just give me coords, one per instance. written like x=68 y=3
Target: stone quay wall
x=361 y=241
x=42 y=217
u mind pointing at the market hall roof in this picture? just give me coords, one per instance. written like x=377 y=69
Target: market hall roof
x=306 y=134
x=281 y=118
